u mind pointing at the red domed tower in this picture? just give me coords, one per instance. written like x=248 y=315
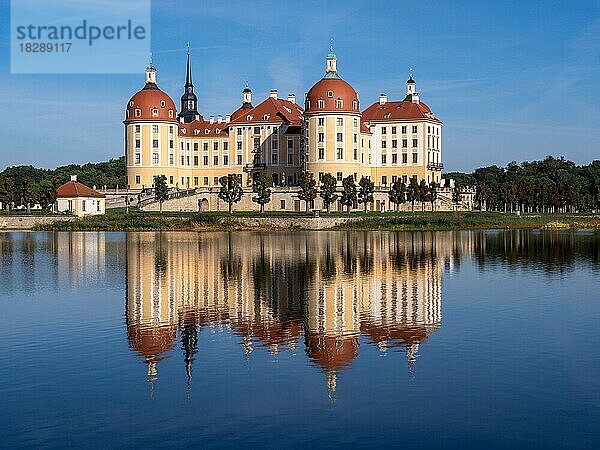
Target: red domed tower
x=150 y=132
x=332 y=126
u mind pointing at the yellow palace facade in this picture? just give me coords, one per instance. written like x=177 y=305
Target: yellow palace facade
x=330 y=133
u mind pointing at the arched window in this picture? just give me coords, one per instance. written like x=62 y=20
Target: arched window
x=339 y=103
x=321 y=103
x=154 y=112
x=354 y=104
x=307 y=104
x=138 y=112
x=170 y=113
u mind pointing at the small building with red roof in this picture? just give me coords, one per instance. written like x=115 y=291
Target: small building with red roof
x=78 y=199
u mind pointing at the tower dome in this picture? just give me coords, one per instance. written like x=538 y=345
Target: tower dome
x=331 y=93
x=150 y=103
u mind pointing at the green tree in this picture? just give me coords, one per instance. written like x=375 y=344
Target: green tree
x=423 y=194
x=365 y=191
x=349 y=193
x=47 y=194
x=412 y=193
x=231 y=189
x=308 y=191
x=161 y=190
x=7 y=192
x=328 y=190
x=457 y=194
x=262 y=190
x=29 y=193
x=432 y=194
x=397 y=193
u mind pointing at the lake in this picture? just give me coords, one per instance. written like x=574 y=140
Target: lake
x=322 y=339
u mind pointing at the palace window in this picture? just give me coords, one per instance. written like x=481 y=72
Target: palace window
x=256 y=130
x=154 y=158
x=384 y=180
x=414 y=142
x=340 y=121
x=339 y=103
x=205 y=146
x=137 y=181
x=275 y=158
x=137 y=143
x=340 y=137
x=394 y=179
x=290 y=158
x=239 y=160
x=321 y=121
x=415 y=156
x=321 y=137
x=239 y=145
x=154 y=143
x=171 y=159
x=394 y=143
x=321 y=104
x=215 y=146
x=340 y=153
x=205 y=160
x=195 y=181
x=274 y=144
x=393 y=130
x=383 y=159
x=215 y=160
x=205 y=181
x=290 y=143
x=137 y=158
x=225 y=160
x=404 y=143
x=355 y=138
x=383 y=130
x=171 y=143
x=195 y=160
x=355 y=154
x=321 y=153
x=383 y=144
x=155 y=128
x=138 y=128
x=225 y=146
x=414 y=129
x=339 y=176
x=403 y=129
x=239 y=131
x=394 y=158
x=404 y=158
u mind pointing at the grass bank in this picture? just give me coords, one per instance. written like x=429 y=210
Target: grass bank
x=135 y=220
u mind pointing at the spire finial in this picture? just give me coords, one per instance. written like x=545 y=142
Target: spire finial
x=247 y=83
x=150 y=58
x=188 y=47
x=410 y=71
x=331 y=45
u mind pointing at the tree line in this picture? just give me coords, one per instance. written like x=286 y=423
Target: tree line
x=351 y=196
x=549 y=185
x=28 y=185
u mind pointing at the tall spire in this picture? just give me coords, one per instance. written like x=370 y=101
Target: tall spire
x=189 y=101
x=188 y=76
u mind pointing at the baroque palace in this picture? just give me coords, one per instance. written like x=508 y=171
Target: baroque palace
x=388 y=140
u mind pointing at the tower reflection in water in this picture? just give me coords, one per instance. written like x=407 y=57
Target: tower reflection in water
x=330 y=291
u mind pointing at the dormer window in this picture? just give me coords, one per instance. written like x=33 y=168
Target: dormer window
x=307 y=104
x=138 y=112
x=207 y=131
x=266 y=117
x=162 y=104
x=217 y=131
x=249 y=117
x=170 y=113
x=154 y=112
x=387 y=116
x=131 y=104
x=128 y=113
x=183 y=130
x=330 y=94
x=339 y=103
x=354 y=104
x=196 y=131
x=321 y=104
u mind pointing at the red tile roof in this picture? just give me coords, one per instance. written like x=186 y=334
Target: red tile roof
x=340 y=90
x=364 y=128
x=394 y=111
x=148 y=99
x=74 y=189
x=202 y=128
x=269 y=111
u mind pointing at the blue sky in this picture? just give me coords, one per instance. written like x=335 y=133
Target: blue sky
x=511 y=80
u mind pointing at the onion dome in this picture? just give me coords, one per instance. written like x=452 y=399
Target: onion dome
x=331 y=93
x=150 y=104
x=152 y=343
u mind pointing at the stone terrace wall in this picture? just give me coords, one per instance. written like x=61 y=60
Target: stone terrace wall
x=28 y=222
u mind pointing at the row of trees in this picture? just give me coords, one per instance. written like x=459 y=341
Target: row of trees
x=550 y=185
x=350 y=197
x=28 y=185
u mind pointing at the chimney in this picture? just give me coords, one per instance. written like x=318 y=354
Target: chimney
x=227 y=118
x=292 y=98
x=73 y=177
x=219 y=118
x=382 y=99
x=211 y=119
x=273 y=94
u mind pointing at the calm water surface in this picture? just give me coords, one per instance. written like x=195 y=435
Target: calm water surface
x=323 y=339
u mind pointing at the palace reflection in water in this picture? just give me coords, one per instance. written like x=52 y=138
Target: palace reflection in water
x=327 y=291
